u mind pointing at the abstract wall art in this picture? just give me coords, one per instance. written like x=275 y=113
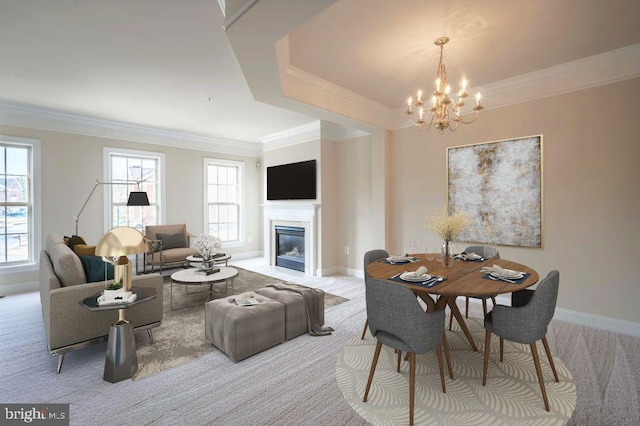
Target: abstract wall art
x=499 y=186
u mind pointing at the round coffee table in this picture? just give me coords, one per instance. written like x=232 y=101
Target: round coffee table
x=197 y=260
x=189 y=277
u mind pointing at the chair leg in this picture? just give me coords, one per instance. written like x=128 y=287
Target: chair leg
x=484 y=306
x=447 y=355
x=373 y=369
x=553 y=366
x=399 y=359
x=501 y=349
x=412 y=385
x=536 y=361
x=466 y=306
x=60 y=361
x=487 y=345
x=150 y=334
x=439 y=355
x=366 y=324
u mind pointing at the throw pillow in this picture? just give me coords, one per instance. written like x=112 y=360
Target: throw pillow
x=170 y=241
x=94 y=268
x=84 y=250
x=73 y=240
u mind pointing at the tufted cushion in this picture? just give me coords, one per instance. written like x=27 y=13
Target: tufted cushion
x=95 y=268
x=170 y=241
x=66 y=265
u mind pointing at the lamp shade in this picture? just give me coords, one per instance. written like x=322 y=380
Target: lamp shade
x=138 y=198
x=121 y=241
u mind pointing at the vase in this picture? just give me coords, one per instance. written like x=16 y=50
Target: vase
x=207 y=264
x=447 y=254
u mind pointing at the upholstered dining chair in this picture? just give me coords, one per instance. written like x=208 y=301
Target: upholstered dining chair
x=396 y=319
x=487 y=252
x=526 y=322
x=371 y=256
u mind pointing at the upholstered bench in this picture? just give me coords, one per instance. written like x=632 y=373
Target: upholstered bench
x=242 y=331
x=295 y=312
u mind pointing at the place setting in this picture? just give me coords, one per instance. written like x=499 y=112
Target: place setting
x=399 y=259
x=419 y=277
x=469 y=257
x=498 y=273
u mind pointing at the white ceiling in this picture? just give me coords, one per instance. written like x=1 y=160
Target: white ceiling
x=155 y=63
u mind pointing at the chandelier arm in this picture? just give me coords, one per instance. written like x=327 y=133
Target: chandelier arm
x=469 y=122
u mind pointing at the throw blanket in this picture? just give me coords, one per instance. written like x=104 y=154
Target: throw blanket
x=312 y=305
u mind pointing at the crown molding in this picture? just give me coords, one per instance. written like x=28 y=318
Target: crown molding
x=338 y=132
x=308 y=88
x=296 y=135
x=598 y=70
x=43 y=119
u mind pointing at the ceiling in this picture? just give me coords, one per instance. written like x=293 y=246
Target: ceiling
x=171 y=65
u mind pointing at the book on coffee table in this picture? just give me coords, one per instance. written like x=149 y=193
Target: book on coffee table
x=206 y=271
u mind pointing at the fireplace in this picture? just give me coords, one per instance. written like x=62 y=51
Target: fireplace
x=289 y=247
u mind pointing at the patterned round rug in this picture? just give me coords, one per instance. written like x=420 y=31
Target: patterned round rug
x=512 y=395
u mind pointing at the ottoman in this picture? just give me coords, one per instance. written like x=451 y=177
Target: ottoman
x=242 y=331
x=295 y=312
x=295 y=309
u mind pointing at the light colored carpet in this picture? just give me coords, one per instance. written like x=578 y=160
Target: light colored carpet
x=512 y=394
x=290 y=384
x=180 y=337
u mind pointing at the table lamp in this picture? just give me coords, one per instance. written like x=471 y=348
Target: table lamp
x=118 y=243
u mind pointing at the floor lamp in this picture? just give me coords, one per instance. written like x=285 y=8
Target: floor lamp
x=136 y=198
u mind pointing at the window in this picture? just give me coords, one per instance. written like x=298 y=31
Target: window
x=18 y=212
x=127 y=171
x=223 y=195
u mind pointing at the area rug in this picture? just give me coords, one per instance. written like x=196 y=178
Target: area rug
x=181 y=336
x=512 y=395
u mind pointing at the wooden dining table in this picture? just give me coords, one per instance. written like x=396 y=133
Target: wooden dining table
x=464 y=278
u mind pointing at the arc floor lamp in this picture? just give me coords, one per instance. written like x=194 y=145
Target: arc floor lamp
x=136 y=198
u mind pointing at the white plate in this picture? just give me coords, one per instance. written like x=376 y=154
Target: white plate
x=512 y=275
x=413 y=278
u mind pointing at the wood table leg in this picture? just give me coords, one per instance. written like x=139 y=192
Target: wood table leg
x=455 y=311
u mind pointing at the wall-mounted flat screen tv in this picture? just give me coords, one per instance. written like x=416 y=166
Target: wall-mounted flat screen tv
x=295 y=181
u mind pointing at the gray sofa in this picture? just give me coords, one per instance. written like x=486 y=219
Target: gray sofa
x=69 y=325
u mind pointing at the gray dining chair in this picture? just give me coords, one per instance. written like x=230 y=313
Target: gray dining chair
x=526 y=322
x=396 y=319
x=371 y=256
x=487 y=252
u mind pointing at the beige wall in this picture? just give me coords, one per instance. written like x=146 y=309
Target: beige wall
x=591 y=191
x=71 y=163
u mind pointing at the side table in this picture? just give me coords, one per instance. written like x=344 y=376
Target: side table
x=196 y=261
x=121 y=361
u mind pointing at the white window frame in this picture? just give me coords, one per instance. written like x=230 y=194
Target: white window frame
x=35 y=206
x=160 y=156
x=241 y=200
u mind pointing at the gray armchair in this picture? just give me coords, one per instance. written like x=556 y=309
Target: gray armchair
x=169 y=245
x=397 y=320
x=526 y=321
x=487 y=252
x=371 y=256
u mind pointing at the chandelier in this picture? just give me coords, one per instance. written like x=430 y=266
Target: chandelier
x=443 y=113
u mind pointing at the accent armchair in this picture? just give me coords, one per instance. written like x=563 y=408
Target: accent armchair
x=169 y=245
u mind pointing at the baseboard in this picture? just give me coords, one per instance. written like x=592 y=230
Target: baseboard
x=589 y=320
x=15 y=288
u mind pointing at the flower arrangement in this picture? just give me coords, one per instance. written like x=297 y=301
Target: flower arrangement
x=207 y=245
x=447 y=225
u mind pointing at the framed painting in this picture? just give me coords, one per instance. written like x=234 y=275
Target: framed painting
x=499 y=186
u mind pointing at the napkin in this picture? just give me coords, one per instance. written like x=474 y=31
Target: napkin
x=469 y=256
x=502 y=272
x=417 y=273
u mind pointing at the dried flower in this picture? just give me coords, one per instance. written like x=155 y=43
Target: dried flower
x=446 y=225
x=207 y=245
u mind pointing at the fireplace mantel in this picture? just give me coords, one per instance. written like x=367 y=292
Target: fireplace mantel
x=303 y=215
